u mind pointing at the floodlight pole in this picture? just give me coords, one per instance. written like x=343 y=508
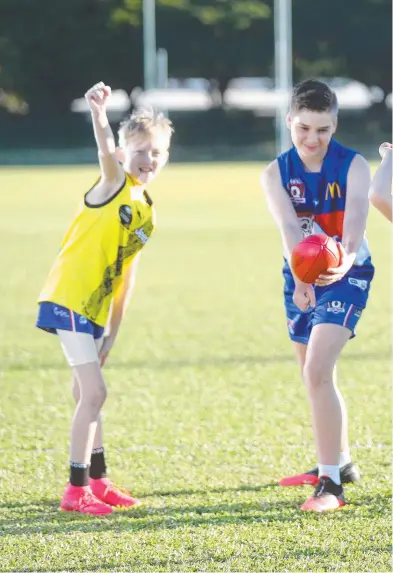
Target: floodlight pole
x=283 y=68
x=162 y=68
x=149 y=44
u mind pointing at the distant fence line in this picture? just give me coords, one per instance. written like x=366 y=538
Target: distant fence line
x=200 y=136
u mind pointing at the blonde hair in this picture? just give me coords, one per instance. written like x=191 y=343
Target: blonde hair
x=144 y=121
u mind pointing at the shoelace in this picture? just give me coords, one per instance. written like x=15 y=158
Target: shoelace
x=88 y=498
x=320 y=489
x=113 y=487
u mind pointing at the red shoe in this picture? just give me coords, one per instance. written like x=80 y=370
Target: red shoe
x=307 y=478
x=348 y=474
x=109 y=493
x=81 y=498
x=327 y=496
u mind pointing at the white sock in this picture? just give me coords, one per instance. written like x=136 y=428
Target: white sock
x=330 y=471
x=345 y=458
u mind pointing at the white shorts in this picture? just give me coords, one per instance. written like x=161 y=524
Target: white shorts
x=79 y=347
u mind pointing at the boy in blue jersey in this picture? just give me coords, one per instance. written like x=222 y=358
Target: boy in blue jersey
x=381 y=186
x=321 y=186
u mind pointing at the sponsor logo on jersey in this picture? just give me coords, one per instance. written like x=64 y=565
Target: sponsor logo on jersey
x=125 y=215
x=362 y=284
x=61 y=312
x=332 y=189
x=307 y=225
x=140 y=233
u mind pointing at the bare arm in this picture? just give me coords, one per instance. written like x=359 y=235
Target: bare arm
x=356 y=206
x=281 y=208
x=380 y=193
x=287 y=222
x=122 y=298
x=118 y=308
x=97 y=98
x=355 y=218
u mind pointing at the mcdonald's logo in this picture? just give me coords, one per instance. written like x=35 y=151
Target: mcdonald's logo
x=333 y=189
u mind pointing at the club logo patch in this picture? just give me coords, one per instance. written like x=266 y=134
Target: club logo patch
x=336 y=306
x=125 y=215
x=297 y=191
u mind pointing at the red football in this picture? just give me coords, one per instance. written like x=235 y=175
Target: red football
x=313 y=256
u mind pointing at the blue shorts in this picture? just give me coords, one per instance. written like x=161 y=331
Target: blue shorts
x=341 y=303
x=53 y=317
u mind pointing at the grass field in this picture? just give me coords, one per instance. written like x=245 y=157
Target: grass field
x=205 y=410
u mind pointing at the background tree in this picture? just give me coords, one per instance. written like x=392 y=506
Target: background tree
x=51 y=50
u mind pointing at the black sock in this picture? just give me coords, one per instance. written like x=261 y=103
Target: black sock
x=79 y=474
x=97 y=465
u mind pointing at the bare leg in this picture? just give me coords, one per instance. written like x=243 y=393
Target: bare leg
x=98 y=436
x=325 y=345
x=344 y=416
x=92 y=395
x=301 y=351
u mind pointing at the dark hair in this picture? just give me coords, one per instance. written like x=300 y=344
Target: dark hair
x=313 y=95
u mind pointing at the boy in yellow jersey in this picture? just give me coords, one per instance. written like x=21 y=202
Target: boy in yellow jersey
x=381 y=186
x=91 y=280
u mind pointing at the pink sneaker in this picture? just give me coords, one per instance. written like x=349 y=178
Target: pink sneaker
x=109 y=493
x=81 y=498
x=328 y=496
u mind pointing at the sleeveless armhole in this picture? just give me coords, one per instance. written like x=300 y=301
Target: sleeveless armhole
x=149 y=200
x=108 y=200
x=348 y=160
x=282 y=161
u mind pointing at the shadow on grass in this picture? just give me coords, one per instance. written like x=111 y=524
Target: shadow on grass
x=42 y=517
x=205 y=361
x=51 y=521
x=38 y=505
x=179 y=492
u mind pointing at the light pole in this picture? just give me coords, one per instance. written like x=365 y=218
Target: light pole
x=149 y=44
x=283 y=68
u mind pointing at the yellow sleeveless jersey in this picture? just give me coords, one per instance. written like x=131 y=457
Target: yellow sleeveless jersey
x=96 y=252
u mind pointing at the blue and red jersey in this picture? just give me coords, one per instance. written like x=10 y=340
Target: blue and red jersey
x=319 y=198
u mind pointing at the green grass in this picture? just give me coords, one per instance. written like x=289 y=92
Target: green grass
x=205 y=410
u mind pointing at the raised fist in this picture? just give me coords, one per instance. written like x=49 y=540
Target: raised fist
x=97 y=97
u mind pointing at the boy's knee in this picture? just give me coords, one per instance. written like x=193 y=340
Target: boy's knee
x=91 y=386
x=95 y=397
x=316 y=374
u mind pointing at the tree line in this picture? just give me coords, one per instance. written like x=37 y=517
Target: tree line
x=51 y=51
